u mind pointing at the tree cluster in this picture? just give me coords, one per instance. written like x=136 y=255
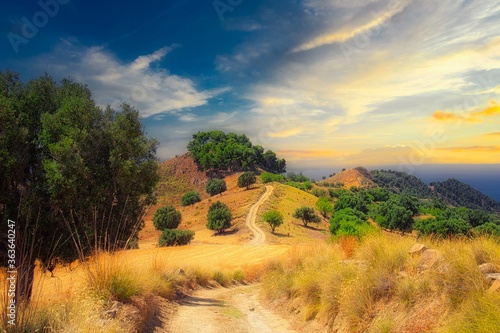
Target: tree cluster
x=74 y=176
x=233 y=152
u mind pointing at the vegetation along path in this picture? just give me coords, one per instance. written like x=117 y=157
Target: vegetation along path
x=259 y=237
x=235 y=310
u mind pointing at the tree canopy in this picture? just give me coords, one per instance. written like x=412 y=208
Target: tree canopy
x=76 y=177
x=219 y=217
x=233 y=152
x=246 y=179
x=307 y=215
x=167 y=218
x=216 y=186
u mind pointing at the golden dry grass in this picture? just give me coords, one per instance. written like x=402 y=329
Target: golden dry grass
x=384 y=289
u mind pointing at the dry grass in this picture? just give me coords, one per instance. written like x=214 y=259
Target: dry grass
x=381 y=288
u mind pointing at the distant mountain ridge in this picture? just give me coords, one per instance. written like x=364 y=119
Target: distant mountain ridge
x=451 y=191
x=358 y=177
x=458 y=193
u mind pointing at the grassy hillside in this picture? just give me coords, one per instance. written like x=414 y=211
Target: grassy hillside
x=286 y=199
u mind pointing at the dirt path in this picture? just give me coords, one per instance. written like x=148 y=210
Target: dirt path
x=259 y=237
x=235 y=310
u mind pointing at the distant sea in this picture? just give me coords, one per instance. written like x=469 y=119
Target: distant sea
x=485 y=178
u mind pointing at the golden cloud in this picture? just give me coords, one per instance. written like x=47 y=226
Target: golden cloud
x=471 y=149
x=472 y=116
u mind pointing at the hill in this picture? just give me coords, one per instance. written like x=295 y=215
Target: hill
x=457 y=193
x=401 y=183
x=358 y=177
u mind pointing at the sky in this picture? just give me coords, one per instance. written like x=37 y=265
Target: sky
x=324 y=83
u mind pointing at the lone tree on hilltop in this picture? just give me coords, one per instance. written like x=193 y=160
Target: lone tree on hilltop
x=219 y=217
x=307 y=215
x=247 y=179
x=216 y=186
x=167 y=218
x=273 y=218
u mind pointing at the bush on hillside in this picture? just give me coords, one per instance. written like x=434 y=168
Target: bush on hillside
x=190 y=198
x=442 y=227
x=167 y=218
x=171 y=237
x=219 y=217
x=216 y=186
x=307 y=215
x=246 y=179
x=268 y=177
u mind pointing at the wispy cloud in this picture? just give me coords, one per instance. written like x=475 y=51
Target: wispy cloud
x=152 y=89
x=345 y=34
x=471 y=116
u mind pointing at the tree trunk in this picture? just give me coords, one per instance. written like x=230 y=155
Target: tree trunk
x=25 y=260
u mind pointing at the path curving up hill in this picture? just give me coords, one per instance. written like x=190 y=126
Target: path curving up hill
x=259 y=237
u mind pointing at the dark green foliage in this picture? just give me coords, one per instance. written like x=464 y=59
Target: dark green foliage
x=75 y=177
x=167 y=218
x=358 y=201
x=489 y=228
x=268 y=177
x=172 y=237
x=246 y=179
x=306 y=186
x=443 y=227
x=393 y=216
x=219 y=217
x=349 y=222
x=325 y=206
x=273 y=218
x=379 y=194
x=457 y=194
x=337 y=193
x=307 y=215
x=218 y=150
x=216 y=186
x=297 y=177
x=401 y=183
x=190 y=198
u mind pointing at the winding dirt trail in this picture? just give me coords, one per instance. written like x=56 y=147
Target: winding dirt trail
x=235 y=310
x=259 y=235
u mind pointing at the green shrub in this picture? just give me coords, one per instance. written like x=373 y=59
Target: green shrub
x=268 y=177
x=171 y=237
x=167 y=218
x=216 y=186
x=190 y=198
x=219 y=217
x=246 y=179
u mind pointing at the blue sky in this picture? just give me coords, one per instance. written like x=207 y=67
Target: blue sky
x=325 y=83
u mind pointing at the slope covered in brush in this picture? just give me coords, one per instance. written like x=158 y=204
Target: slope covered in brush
x=402 y=183
x=458 y=193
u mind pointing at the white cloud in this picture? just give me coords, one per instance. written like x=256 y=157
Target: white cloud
x=151 y=89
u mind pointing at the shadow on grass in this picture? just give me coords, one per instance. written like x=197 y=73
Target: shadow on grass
x=277 y=234
x=225 y=233
x=309 y=227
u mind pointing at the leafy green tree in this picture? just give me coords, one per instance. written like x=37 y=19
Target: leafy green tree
x=488 y=228
x=297 y=177
x=167 y=218
x=273 y=218
x=190 y=198
x=218 y=150
x=356 y=201
x=76 y=178
x=219 y=217
x=216 y=186
x=307 y=215
x=346 y=216
x=324 y=206
x=246 y=179
x=393 y=216
x=443 y=227
x=172 y=237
